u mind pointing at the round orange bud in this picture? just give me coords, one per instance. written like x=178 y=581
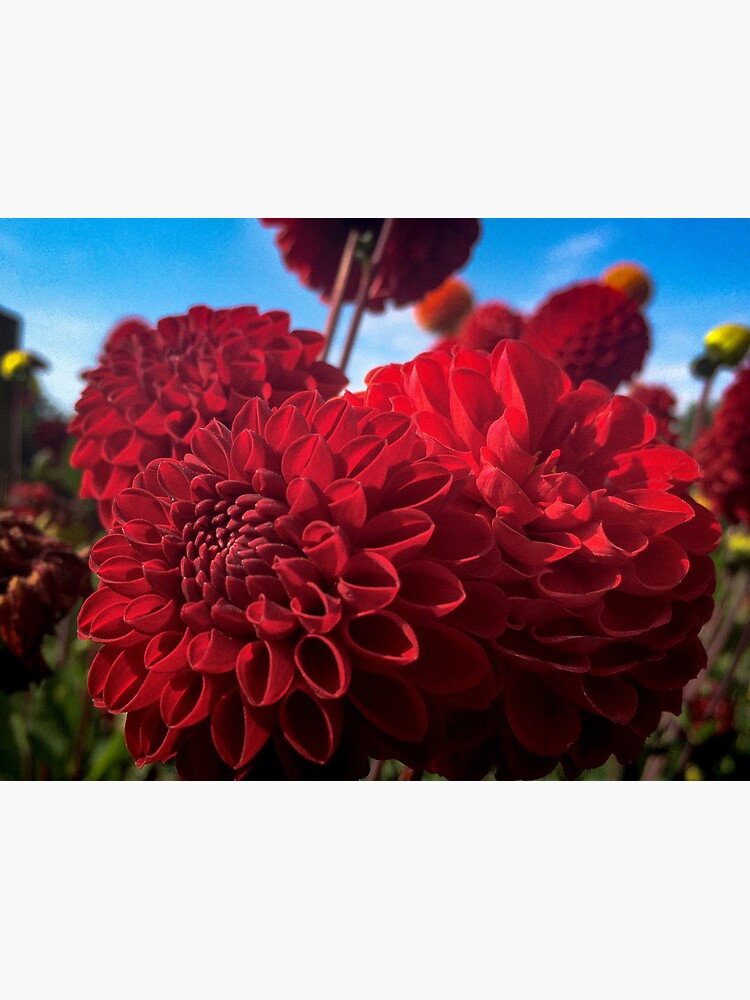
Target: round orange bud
x=444 y=308
x=631 y=279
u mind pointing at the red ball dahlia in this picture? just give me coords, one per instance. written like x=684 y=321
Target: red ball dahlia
x=592 y=331
x=723 y=452
x=605 y=560
x=419 y=255
x=302 y=591
x=661 y=403
x=153 y=388
x=490 y=323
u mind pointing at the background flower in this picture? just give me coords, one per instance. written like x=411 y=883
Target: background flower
x=153 y=388
x=443 y=309
x=592 y=331
x=419 y=255
x=723 y=451
x=41 y=578
x=604 y=556
x=661 y=403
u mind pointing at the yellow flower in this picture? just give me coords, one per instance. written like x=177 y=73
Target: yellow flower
x=16 y=365
x=693 y=773
x=727 y=344
x=738 y=546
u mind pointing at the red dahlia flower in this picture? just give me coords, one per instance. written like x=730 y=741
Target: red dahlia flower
x=419 y=255
x=300 y=592
x=661 y=404
x=154 y=388
x=488 y=324
x=723 y=452
x=41 y=578
x=592 y=331
x=604 y=556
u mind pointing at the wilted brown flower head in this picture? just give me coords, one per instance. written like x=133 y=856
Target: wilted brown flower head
x=40 y=580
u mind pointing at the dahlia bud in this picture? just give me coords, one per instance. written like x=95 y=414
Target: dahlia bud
x=444 y=309
x=727 y=344
x=15 y=366
x=631 y=279
x=738 y=548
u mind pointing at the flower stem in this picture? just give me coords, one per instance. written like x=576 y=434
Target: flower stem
x=369 y=270
x=699 y=417
x=339 y=287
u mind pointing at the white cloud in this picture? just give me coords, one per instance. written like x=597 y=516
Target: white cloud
x=568 y=259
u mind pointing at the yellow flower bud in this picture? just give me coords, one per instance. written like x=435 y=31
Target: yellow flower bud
x=693 y=773
x=727 y=344
x=17 y=364
x=738 y=546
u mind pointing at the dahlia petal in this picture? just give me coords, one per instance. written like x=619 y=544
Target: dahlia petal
x=313 y=728
x=324 y=664
x=325 y=547
x=576 y=583
x=145 y=538
x=306 y=500
x=123 y=575
x=238 y=734
x=129 y=686
x=448 y=661
x=231 y=619
x=147 y=738
x=391 y=704
x=207 y=446
x=396 y=535
x=335 y=421
x=368 y=582
x=422 y=487
x=473 y=406
x=517 y=373
x=285 y=426
x=186 y=699
x=175 y=480
x=661 y=566
x=214 y=652
x=265 y=672
x=382 y=639
x=311 y=458
x=611 y=697
x=428 y=590
x=347 y=504
x=484 y=612
x=167 y=652
x=150 y=614
x=541 y=722
x=98 y=673
x=366 y=460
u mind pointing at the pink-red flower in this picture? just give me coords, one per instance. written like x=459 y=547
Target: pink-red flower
x=153 y=388
x=41 y=578
x=723 y=452
x=605 y=560
x=419 y=255
x=592 y=331
x=303 y=591
x=490 y=323
x=661 y=403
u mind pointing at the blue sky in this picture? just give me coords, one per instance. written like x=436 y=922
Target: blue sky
x=72 y=279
